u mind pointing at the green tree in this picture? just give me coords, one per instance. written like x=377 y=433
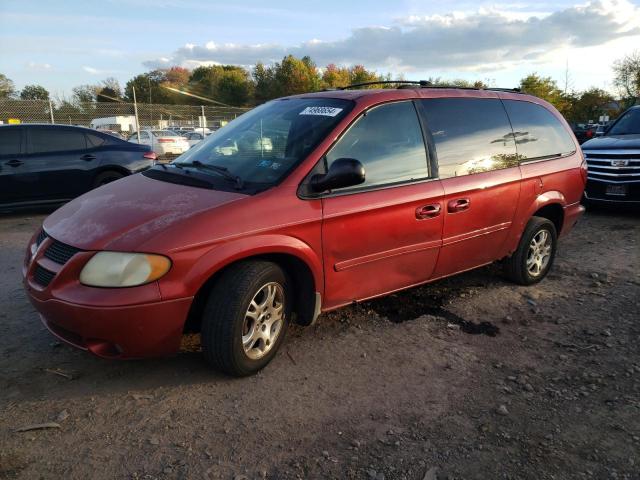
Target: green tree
x=547 y=89
x=264 y=83
x=34 y=92
x=7 y=88
x=293 y=76
x=592 y=103
x=149 y=88
x=84 y=93
x=627 y=77
x=227 y=84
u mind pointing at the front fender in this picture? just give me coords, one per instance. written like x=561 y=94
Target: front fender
x=192 y=268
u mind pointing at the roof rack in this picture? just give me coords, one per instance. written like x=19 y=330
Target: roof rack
x=425 y=84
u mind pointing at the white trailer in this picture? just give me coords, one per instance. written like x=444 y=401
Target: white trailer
x=120 y=123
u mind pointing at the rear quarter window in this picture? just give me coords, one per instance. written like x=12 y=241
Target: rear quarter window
x=471 y=135
x=538 y=133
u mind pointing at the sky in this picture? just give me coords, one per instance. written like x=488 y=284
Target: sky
x=64 y=43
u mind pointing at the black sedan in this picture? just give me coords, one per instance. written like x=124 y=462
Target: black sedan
x=51 y=164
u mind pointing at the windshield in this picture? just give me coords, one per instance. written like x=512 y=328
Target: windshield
x=265 y=144
x=628 y=124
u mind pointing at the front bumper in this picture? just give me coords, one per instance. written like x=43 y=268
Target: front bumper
x=134 y=331
x=123 y=323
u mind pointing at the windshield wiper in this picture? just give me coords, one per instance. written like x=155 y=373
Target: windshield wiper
x=224 y=171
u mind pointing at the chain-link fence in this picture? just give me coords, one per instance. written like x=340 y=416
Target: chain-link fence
x=120 y=117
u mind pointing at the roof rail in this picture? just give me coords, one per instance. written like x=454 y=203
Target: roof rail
x=425 y=84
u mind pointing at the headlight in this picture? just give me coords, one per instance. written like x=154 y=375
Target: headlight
x=116 y=269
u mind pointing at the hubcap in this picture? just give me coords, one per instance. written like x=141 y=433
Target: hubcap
x=539 y=253
x=263 y=321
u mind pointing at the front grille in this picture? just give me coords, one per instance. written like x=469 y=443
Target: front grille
x=42 y=276
x=41 y=236
x=613 y=166
x=60 y=252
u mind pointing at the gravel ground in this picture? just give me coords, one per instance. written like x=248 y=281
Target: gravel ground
x=412 y=386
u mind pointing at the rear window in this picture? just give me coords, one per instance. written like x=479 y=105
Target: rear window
x=537 y=131
x=45 y=140
x=471 y=135
x=10 y=141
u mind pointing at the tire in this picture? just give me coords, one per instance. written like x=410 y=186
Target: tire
x=519 y=267
x=106 y=177
x=234 y=317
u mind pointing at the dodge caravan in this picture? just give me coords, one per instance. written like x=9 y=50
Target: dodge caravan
x=303 y=205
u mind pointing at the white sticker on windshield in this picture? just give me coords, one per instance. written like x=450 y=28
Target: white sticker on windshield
x=324 y=111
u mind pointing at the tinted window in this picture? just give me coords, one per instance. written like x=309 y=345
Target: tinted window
x=471 y=135
x=629 y=124
x=388 y=141
x=56 y=140
x=94 y=140
x=10 y=141
x=537 y=131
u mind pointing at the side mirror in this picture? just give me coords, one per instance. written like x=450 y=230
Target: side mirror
x=344 y=172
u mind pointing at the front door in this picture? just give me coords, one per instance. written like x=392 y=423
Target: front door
x=385 y=234
x=12 y=166
x=478 y=167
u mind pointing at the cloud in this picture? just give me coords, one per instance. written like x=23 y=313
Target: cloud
x=38 y=67
x=483 y=40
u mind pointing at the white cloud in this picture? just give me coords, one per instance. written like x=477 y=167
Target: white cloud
x=486 y=40
x=38 y=66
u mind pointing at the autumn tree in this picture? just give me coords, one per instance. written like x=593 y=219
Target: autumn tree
x=547 y=89
x=34 y=92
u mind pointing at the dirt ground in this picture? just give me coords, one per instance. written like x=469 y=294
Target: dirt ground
x=411 y=386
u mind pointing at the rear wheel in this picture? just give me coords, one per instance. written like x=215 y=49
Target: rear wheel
x=246 y=317
x=536 y=251
x=106 y=177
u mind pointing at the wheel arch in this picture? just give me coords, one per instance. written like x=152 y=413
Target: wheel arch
x=303 y=268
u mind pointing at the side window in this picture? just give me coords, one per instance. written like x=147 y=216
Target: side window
x=388 y=141
x=471 y=135
x=10 y=139
x=537 y=131
x=95 y=141
x=48 y=140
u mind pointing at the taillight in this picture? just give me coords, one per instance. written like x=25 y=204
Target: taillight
x=150 y=155
x=589 y=133
x=166 y=140
x=584 y=171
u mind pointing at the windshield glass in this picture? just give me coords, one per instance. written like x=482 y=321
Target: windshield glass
x=628 y=124
x=265 y=144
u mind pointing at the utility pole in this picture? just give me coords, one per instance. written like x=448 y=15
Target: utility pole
x=135 y=109
x=51 y=111
x=204 y=120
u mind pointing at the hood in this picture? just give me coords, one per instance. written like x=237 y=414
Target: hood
x=122 y=215
x=612 y=142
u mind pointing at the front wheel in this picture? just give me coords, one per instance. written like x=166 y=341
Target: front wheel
x=536 y=251
x=246 y=317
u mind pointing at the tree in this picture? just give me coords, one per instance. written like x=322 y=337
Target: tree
x=110 y=91
x=34 y=92
x=7 y=88
x=84 y=94
x=149 y=88
x=627 y=76
x=227 y=84
x=547 y=89
x=293 y=76
x=335 y=77
x=592 y=103
x=264 y=83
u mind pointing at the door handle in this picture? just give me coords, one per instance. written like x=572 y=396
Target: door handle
x=458 y=205
x=428 y=211
x=88 y=157
x=14 y=163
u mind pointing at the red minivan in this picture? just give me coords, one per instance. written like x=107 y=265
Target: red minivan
x=303 y=205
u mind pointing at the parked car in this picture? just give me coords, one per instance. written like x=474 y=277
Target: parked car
x=164 y=143
x=584 y=131
x=614 y=161
x=51 y=164
x=193 y=138
x=363 y=193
